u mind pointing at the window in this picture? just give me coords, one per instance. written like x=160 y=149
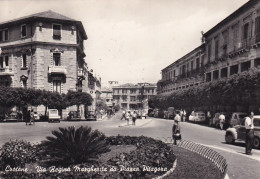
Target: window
x=132 y=98
x=257 y=29
x=57 y=86
x=23 y=31
x=246 y=30
x=4 y=35
x=24 y=83
x=56 y=31
x=209 y=52
x=1 y=62
x=6 y=61
x=216 y=48
x=24 y=62
x=197 y=63
x=56 y=59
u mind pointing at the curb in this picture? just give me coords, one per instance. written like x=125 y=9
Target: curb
x=169 y=171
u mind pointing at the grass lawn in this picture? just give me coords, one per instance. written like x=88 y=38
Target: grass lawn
x=192 y=165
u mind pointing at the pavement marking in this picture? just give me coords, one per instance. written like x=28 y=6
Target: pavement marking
x=234 y=152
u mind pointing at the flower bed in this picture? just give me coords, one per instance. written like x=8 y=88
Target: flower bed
x=134 y=157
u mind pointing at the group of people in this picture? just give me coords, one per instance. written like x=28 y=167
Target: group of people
x=29 y=117
x=128 y=116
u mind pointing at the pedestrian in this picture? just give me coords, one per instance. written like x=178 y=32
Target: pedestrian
x=249 y=125
x=209 y=118
x=123 y=115
x=221 y=120
x=176 y=130
x=181 y=114
x=32 y=120
x=127 y=117
x=27 y=116
x=184 y=115
x=134 y=117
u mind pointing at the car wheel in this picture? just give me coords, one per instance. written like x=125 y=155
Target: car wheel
x=229 y=138
x=256 y=143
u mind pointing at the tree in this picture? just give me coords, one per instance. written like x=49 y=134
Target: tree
x=78 y=98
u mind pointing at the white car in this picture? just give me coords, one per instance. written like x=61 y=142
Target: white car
x=238 y=132
x=53 y=115
x=198 y=117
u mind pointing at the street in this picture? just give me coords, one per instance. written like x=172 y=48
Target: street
x=239 y=164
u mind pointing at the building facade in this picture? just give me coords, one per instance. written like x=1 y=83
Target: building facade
x=43 y=51
x=133 y=96
x=230 y=47
x=107 y=96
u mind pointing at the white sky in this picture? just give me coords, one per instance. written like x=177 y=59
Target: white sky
x=132 y=40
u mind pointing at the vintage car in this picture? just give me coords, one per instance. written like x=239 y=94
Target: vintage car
x=53 y=115
x=214 y=122
x=236 y=117
x=91 y=116
x=73 y=116
x=197 y=117
x=12 y=117
x=169 y=113
x=238 y=132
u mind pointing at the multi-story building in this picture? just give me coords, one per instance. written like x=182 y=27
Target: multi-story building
x=94 y=89
x=43 y=51
x=230 y=47
x=133 y=96
x=107 y=96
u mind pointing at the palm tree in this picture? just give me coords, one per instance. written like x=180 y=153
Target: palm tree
x=74 y=146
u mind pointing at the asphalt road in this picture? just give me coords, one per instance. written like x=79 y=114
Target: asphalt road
x=239 y=164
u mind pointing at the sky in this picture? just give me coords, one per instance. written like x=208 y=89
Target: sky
x=131 y=41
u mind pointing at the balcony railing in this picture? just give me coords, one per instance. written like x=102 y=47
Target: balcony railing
x=6 y=72
x=80 y=72
x=57 y=70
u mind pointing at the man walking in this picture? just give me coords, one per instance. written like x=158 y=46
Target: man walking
x=249 y=125
x=123 y=115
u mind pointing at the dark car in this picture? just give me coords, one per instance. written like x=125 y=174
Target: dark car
x=73 y=116
x=158 y=113
x=91 y=116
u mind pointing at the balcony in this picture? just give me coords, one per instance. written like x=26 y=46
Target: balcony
x=6 y=72
x=57 y=70
x=80 y=72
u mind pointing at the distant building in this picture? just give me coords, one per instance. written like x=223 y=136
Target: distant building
x=133 y=96
x=228 y=48
x=107 y=96
x=94 y=89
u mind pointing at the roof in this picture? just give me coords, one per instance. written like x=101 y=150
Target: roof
x=139 y=85
x=47 y=15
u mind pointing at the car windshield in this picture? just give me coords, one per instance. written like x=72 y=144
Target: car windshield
x=242 y=116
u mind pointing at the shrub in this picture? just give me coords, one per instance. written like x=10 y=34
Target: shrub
x=74 y=146
x=16 y=153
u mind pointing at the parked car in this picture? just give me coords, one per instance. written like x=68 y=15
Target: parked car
x=91 y=116
x=198 y=117
x=236 y=118
x=214 y=122
x=12 y=117
x=158 y=113
x=151 y=113
x=73 y=116
x=169 y=114
x=53 y=115
x=238 y=132
x=36 y=116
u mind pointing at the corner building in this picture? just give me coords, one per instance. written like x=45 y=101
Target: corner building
x=43 y=51
x=230 y=47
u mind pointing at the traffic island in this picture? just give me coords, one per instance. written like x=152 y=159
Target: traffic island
x=84 y=153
